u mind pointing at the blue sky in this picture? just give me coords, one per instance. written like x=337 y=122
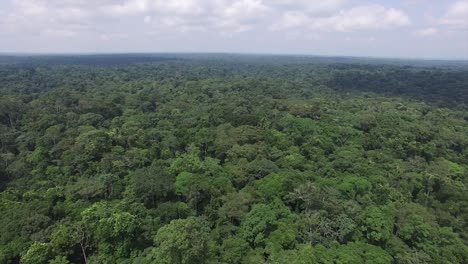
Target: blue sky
x=402 y=28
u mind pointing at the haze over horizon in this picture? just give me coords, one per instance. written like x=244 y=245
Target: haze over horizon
x=397 y=29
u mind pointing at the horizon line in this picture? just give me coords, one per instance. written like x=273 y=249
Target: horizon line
x=80 y=53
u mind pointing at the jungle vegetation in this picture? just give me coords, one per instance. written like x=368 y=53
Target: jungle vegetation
x=232 y=159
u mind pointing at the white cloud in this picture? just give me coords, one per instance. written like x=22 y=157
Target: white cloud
x=180 y=7
x=292 y=19
x=244 y=9
x=358 y=18
x=54 y=18
x=226 y=17
x=365 y=17
x=165 y=15
x=311 y=7
x=132 y=7
x=240 y=16
x=456 y=15
x=426 y=32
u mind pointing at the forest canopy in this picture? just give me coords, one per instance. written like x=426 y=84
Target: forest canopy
x=169 y=158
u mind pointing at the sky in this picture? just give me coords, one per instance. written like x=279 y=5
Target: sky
x=435 y=29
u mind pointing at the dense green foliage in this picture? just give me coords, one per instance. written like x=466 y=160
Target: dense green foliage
x=232 y=160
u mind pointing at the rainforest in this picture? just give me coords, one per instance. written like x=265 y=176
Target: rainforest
x=229 y=158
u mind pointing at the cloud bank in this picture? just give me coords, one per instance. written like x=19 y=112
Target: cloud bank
x=71 y=17
x=348 y=27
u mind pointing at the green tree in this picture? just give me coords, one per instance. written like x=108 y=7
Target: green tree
x=182 y=241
